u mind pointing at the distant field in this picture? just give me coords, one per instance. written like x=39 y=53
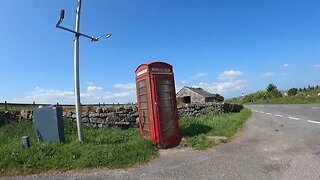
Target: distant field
x=15 y=107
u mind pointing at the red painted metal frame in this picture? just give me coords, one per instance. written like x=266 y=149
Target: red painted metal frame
x=154 y=115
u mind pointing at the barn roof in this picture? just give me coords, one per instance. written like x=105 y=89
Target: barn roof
x=201 y=92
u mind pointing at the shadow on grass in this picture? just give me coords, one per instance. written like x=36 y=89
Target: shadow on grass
x=194 y=129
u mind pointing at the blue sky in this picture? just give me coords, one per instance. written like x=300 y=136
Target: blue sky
x=225 y=46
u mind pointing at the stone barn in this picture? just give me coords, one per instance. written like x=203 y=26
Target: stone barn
x=194 y=95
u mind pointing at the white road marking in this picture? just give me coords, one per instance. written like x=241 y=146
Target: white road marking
x=269 y=113
x=256 y=111
x=316 y=122
x=315 y=107
x=278 y=115
x=293 y=118
x=287 y=106
x=262 y=112
x=292 y=107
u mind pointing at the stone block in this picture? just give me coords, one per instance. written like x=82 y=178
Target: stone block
x=103 y=115
x=99 y=110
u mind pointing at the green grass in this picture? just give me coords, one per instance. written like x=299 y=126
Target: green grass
x=291 y=100
x=15 y=107
x=195 y=130
x=110 y=148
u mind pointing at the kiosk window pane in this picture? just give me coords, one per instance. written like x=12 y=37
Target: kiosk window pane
x=146 y=126
x=142 y=83
x=164 y=88
x=146 y=133
x=143 y=98
x=144 y=105
x=142 y=91
x=163 y=81
x=144 y=112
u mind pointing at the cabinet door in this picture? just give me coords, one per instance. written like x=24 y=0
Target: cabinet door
x=164 y=91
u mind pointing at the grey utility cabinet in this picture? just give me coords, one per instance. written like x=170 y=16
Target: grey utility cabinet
x=48 y=123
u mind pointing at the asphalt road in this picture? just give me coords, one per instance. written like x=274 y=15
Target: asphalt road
x=279 y=142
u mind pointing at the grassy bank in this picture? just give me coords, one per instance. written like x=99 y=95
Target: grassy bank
x=290 y=100
x=196 y=130
x=111 y=148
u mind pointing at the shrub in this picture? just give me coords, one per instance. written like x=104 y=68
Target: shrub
x=292 y=91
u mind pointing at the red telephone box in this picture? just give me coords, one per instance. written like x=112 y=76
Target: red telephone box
x=158 y=117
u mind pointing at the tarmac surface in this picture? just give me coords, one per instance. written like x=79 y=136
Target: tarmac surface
x=278 y=142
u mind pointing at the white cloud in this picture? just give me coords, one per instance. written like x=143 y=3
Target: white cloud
x=230 y=75
x=267 y=74
x=89 y=83
x=128 y=86
x=224 y=87
x=46 y=95
x=197 y=76
x=317 y=66
x=230 y=84
x=286 y=65
x=94 y=94
x=184 y=82
x=93 y=88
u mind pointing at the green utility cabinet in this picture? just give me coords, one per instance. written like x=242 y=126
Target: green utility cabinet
x=48 y=124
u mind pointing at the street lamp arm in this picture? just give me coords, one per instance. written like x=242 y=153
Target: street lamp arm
x=76 y=33
x=92 y=38
x=58 y=23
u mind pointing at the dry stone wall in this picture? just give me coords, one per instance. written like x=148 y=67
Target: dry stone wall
x=194 y=110
x=7 y=117
x=125 y=116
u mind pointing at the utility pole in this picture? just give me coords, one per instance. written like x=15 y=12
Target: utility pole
x=76 y=74
x=77 y=34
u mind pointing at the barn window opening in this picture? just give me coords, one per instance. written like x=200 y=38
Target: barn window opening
x=186 y=99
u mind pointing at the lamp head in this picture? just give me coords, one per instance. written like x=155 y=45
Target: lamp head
x=108 y=36
x=62 y=14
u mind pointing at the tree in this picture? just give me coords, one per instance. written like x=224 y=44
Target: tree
x=219 y=98
x=271 y=88
x=247 y=99
x=273 y=91
x=260 y=95
x=292 y=91
x=309 y=87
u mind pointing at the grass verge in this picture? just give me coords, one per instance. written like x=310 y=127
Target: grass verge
x=110 y=148
x=194 y=131
x=291 y=100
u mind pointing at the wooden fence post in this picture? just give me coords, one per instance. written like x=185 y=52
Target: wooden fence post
x=5 y=105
